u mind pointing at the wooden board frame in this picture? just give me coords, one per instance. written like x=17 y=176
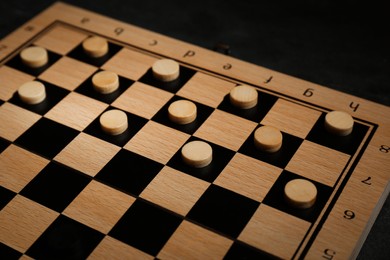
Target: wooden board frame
x=363 y=188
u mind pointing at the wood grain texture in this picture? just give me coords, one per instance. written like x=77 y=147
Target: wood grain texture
x=99 y=206
x=226 y=129
x=68 y=73
x=110 y=248
x=194 y=242
x=23 y=221
x=151 y=99
x=343 y=236
x=318 y=163
x=87 y=154
x=248 y=176
x=18 y=167
x=76 y=111
x=157 y=142
x=274 y=231
x=206 y=89
x=15 y=121
x=174 y=190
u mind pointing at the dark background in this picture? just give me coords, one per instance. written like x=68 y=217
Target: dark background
x=340 y=44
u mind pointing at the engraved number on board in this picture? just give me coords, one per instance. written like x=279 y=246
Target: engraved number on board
x=84 y=20
x=308 y=92
x=367 y=181
x=384 y=148
x=349 y=214
x=329 y=254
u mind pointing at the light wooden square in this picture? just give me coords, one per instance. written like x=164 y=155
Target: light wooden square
x=274 y=231
x=248 y=176
x=110 y=248
x=68 y=73
x=61 y=39
x=142 y=100
x=129 y=64
x=18 y=167
x=76 y=111
x=291 y=118
x=194 y=242
x=23 y=221
x=206 y=89
x=175 y=190
x=99 y=206
x=226 y=129
x=87 y=154
x=11 y=80
x=15 y=121
x=157 y=142
x=318 y=163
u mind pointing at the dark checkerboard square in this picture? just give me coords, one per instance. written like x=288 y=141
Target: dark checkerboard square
x=3 y=144
x=257 y=113
x=65 y=238
x=46 y=137
x=135 y=124
x=129 y=172
x=221 y=157
x=79 y=54
x=7 y=252
x=203 y=112
x=346 y=144
x=86 y=88
x=223 y=210
x=56 y=186
x=280 y=158
x=17 y=64
x=5 y=196
x=275 y=197
x=240 y=250
x=171 y=86
x=146 y=227
x=54 y=95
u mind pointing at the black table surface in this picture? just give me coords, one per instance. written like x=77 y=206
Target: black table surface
x=343 y=45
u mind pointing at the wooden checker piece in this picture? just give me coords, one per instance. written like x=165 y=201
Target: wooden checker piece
x=143 y=190
x=32 y=92
x=113 y=122
x=166 y=70
x=182 y=112
x=34 y=56
x=105 y=82
x=95 y=46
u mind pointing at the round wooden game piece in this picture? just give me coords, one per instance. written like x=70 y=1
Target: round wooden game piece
x=197 y=154
x=105 y=82
x=339 y=123
x=243 y=96
x=34 y=56
x=114 y=122
x=182 y=112
x=95 y=46
x=268 y=139
x=32 y=92
x=166 y=70
x=300 y=193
